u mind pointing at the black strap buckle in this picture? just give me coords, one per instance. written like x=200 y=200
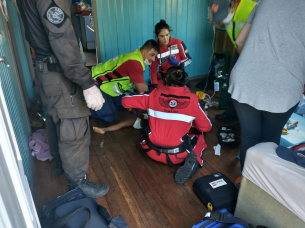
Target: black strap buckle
x=51 y=59
x=221 y=217
x=216 y=216
x=170 y=151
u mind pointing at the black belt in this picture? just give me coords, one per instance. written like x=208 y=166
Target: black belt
x=51 y=61
x=185 y=145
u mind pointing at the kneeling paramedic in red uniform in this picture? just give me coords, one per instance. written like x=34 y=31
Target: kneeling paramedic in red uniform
x=172 y=111
x=173 y=52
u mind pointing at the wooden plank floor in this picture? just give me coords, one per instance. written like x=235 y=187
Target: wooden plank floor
x=143 y=191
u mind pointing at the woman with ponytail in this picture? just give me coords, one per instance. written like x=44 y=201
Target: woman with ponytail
x=173 y=52
x=172 y=111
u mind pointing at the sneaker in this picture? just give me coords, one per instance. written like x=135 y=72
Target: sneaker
x=237 y=182
x=58 y=167
x=189 y=168
x=93 y=190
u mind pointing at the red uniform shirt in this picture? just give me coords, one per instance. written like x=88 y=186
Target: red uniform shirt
x=172 y=111
x=175 y=47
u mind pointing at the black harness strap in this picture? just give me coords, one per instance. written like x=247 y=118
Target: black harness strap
x=117 y=74
x=187 y=144
x=233 y=31
x=206 y=224
x=147 y=150
x=169 y=162
x=162 y=76
x=100 y=81
x=223 y=218
x=194 y=141
x=120 y=87
x=108 y=77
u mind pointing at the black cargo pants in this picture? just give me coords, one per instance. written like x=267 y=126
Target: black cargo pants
x=67 y=123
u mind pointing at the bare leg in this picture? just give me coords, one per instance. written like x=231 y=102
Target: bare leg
x=126 y=123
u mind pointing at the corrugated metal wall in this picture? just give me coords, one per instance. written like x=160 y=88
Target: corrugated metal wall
x=21 y=51
x=13 y=97
x=124 y=25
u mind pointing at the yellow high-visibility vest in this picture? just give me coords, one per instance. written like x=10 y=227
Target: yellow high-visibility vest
x=240 y=17
x=115 y=86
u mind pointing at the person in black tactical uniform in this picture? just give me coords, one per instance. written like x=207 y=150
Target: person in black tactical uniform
x=65 y=87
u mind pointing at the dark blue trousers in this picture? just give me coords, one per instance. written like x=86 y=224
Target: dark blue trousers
x=109 y=110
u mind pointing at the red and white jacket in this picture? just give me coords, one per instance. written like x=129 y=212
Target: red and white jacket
x=172 y=111
x=175 y=47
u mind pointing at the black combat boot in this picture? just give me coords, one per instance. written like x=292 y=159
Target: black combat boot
x=189 y=168
x=58 y=167
x=93 y=190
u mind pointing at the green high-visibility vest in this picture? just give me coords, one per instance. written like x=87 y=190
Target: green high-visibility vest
x=240 y=17
x=115 y=86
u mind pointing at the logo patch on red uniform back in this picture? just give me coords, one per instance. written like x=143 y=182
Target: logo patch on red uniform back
x=170 y=103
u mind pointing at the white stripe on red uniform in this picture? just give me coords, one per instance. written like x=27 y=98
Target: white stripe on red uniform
x=171 y=116
x=165 y=54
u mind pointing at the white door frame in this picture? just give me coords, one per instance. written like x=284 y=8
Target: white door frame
x=17 y=207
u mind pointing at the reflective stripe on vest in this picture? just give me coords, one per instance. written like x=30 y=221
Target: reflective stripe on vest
x=115 y=86
x=240 y=17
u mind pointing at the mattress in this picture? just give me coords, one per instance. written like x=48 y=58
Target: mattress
x=281 y=179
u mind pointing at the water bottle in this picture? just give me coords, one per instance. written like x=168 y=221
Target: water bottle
x=216 y=85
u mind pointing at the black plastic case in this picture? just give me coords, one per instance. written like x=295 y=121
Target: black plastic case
x=216 y=191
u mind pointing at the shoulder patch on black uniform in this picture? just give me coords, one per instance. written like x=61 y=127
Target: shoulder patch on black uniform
x=55 y=15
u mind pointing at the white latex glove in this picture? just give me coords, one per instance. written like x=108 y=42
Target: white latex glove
x=94 y=98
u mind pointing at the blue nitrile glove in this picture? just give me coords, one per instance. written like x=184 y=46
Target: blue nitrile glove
x=172 y=60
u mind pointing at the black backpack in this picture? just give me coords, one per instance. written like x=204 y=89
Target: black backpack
x=75 y=210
